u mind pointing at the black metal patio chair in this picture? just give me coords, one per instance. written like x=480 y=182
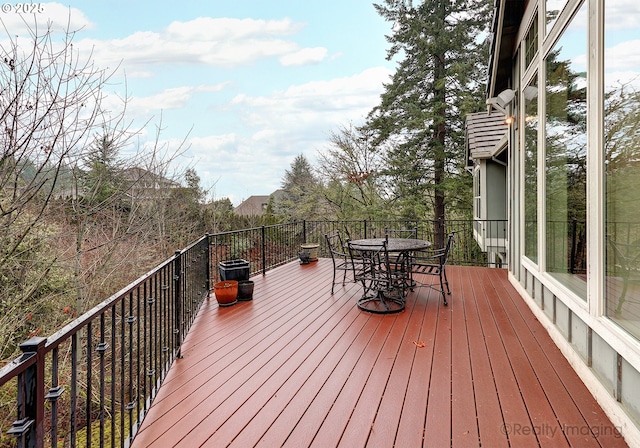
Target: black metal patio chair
x=402 y=260
x=339 y=256
x=434 y=262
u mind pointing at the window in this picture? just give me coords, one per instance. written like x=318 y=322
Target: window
x=622 y=165
x=531 y=42
x=566 y=157
x=530 y=95
x=553 y=10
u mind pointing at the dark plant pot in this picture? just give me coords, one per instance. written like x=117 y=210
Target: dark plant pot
x=245 y=290
x=234 y=270
x=226 y=292
x=304 y=257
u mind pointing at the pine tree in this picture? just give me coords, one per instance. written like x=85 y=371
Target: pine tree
x=422 y=110
x=300 y=187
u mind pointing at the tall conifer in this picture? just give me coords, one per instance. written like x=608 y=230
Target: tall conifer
x=442 y=53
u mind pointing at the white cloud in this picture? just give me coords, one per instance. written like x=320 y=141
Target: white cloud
x=622 y=14
x=172 y=98
x=219 y=42
x=305 y=56
x=624 y=56
x=216 y=29
x=315 y=102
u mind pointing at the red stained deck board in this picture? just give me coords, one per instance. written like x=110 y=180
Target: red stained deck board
x=514 y=410
x=552 y=386
x=393 y=405
x=237 y=382
x=464 y=420
x=487 y=403
x=226 y=357
x=338 y=362
x=542 y=420
x=342 y=409
x=381 y=383
x=280 y=388
x=269 y=423
x=299 y=367
x=437 y=432
x=570 y=398
x=307 y=426
x=259 y=384
x=412 y=420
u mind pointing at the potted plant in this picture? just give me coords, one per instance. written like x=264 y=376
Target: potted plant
x=245 y=290
x=237 y=269
x=226 y=292
x=312 y=249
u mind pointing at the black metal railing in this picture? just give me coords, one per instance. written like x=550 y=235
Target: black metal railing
x=92 y=382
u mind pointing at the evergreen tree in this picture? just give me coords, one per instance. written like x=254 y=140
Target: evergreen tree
x=301 y=191
x=101 y=181
x=422 y=110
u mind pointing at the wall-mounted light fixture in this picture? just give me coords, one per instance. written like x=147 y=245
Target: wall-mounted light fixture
x=501 y=102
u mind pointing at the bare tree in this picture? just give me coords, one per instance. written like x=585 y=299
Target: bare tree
x=65 y=211
x=350 y=168
x=50 y=105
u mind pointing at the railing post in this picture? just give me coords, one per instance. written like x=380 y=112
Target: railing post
x=177 y=288
x=263 y=235
x=304 y=231
x=29 y=428
x=208 y=262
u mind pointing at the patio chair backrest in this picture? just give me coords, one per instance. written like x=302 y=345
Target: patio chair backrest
x=447 y=248
x=373 y=258
x=335 y=245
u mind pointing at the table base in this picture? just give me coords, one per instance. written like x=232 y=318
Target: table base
x=381 y=304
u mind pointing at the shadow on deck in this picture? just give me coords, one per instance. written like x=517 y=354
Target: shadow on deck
x=299 y=367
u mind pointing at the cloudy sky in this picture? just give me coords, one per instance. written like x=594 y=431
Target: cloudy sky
x=250 y=83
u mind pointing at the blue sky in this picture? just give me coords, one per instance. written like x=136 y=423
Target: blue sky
x=250 y=83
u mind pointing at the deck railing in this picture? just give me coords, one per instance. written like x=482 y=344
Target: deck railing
x=92 y=382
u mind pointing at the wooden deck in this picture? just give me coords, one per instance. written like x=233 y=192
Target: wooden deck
x=297 y=367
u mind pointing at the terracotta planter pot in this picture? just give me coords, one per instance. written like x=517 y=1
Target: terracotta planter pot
x=226 y=292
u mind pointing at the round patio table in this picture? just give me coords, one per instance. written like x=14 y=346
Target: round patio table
x=386 y=302
x=393 y=244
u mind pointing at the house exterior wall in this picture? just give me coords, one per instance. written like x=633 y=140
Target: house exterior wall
x=562 y=152
x=496 y=178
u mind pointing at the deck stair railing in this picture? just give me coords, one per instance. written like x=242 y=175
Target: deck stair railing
x=92 y=382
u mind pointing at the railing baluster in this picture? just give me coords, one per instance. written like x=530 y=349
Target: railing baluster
x=54 y=393
x=74 y=387
x=89 y=394
x=177 y=275
x=123 y=349
x=114 y=358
